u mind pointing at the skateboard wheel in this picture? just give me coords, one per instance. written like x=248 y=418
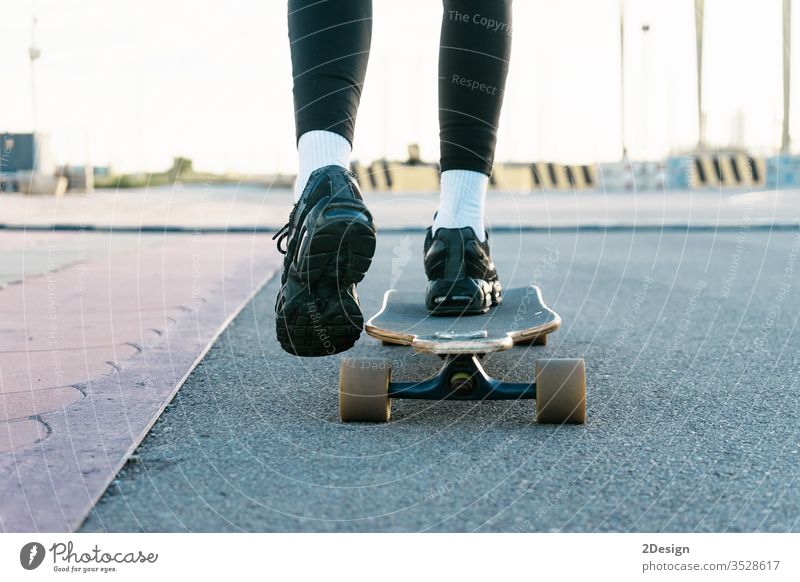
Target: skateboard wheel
x=364 y=390
x=560 y=391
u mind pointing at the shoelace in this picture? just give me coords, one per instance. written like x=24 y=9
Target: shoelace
x=285 y=232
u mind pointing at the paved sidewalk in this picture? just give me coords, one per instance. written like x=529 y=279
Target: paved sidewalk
x=231 y=208
x=97 y=334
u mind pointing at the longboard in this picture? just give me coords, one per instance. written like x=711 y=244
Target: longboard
x=522 y=317
x=366 y=388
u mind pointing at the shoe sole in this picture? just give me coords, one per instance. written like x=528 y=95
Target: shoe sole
x=305 y=328
x=329 y=320
x=338 y=253
x=465 y=296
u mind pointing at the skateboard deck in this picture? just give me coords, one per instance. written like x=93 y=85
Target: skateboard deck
x=521 y=317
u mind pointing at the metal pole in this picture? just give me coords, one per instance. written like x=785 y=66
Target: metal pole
x=622 y=75
x=699 y=9
x=787 y=73
x=646 y=89
x=34 y=53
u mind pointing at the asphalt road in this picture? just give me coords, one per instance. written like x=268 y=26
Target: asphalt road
x=691 y=346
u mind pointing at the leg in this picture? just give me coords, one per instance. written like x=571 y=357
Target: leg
x=329 y=240
x=330 y=43
x=474 y=53
x=473 y=64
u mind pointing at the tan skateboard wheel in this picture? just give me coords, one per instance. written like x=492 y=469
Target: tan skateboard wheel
x=364 y=390
x=560 y=391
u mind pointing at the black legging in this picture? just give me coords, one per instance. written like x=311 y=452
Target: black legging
x=330 y=42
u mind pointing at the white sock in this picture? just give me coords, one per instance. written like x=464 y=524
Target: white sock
x=462 y=201
x=318 y=149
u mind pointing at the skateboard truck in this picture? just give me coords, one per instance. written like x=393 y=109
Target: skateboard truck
x=366 y=389
x=462 y=378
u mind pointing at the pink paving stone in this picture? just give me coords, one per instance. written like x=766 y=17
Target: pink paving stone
x=48 y=296
x=68 y=318
x=49 y=369
x=20 y=405
x=11 y=326
x=151 y=305
x=73 y=334
x=20 y=434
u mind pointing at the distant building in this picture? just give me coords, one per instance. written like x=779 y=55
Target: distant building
x=27 y=166
x=17 y=152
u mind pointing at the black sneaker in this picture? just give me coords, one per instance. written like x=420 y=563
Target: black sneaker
x=462 y=278
x=330 y=243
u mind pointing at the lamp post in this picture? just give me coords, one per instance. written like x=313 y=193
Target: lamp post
x=699 y=10
x=646 y=88
x=622 y=76
x=787 y=73
x=33 y=53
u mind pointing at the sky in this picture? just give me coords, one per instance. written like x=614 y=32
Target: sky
x=134 y=83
